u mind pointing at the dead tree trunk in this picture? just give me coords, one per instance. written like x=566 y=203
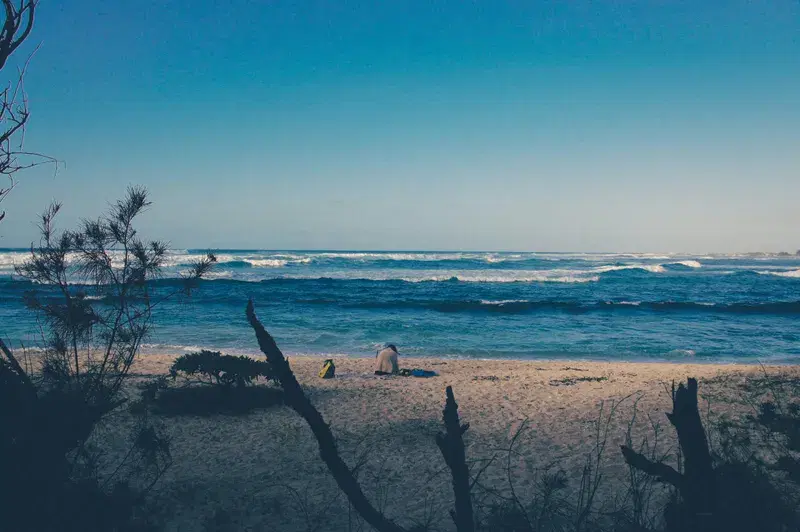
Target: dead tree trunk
x=697 y=483
x=297 y=400
x=452 y=446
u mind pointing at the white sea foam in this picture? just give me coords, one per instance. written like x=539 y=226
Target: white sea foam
x=570 y=267
x=390 y=256
x=654 y=268
x=256 y=260
x=651 y=256
x=602 y=257
x=683 y=352
x=182 y=259
x=268 y=263
x=516 y=277
x=467 y=276
x=148 y=348
x=689 y=263
x=489 y=257
x=795 y=274
x=11 y=258
x=471 y=278
x=214 y=274
x=502 y=302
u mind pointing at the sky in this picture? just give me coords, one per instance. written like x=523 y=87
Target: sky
x=654 y=125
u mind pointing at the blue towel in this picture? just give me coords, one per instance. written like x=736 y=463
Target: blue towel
x=422 y=373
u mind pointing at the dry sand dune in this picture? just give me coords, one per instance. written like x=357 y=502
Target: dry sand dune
x=262 y=472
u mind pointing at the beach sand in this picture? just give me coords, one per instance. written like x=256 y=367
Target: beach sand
x=262 y=471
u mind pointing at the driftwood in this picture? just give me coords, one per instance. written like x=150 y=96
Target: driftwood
x=297 y=400
x=696 y=484
x=15 y=365
x=452 y=446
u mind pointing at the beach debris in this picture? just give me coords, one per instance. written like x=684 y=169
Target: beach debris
x=492 y=378
x=571 y=381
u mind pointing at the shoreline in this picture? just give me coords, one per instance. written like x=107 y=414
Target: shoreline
x=158 y=363
x=686 y=360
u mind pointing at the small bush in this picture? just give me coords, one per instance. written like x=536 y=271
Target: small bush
x=214 y=368
x=53 y=472
x=45 y=486
x=548 y=510
x=216 y=384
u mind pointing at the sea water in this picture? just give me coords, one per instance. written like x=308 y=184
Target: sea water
x=716 y=308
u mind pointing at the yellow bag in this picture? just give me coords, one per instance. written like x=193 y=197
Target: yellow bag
x=328 y=370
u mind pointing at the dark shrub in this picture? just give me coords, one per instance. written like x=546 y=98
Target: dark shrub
x=42 y=487
x=222 y=370
x=53 y=473
x=216 y=384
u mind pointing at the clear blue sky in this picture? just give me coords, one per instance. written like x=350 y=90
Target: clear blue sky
x=453 y=124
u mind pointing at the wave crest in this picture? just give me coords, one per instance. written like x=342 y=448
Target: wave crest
x=792 y=274
x=652 y=268
x=687 y=264
x=521 y=306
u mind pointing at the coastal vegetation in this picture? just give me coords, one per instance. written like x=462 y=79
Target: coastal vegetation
x=91 y=295
x=224 y=371
x=211 y=383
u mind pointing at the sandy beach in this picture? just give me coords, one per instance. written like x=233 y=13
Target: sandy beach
x=261 y=471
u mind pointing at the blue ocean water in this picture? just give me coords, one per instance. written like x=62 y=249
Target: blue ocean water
x=722 y=308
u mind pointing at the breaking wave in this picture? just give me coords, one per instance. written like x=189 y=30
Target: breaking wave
x=464 y=276
x=794 y=274
x=691 y=264
x=520 y=306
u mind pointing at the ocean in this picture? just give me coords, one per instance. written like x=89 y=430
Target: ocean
x=600 y=306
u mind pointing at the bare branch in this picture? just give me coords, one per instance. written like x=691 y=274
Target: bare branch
x=663 y=471
x=297 y=400
x=17 y=367
x=10 y=38
x=14 y=113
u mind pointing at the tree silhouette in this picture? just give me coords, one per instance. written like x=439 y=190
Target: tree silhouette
x=14 y=111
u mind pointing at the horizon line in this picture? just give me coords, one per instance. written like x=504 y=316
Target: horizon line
x=410 y=250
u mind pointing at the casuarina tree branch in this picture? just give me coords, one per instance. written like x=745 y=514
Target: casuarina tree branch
x=297 y=400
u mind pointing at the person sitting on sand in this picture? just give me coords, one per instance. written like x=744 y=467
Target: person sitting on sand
x=386 y=361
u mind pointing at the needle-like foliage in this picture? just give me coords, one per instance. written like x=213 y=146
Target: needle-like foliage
x=94 y=303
